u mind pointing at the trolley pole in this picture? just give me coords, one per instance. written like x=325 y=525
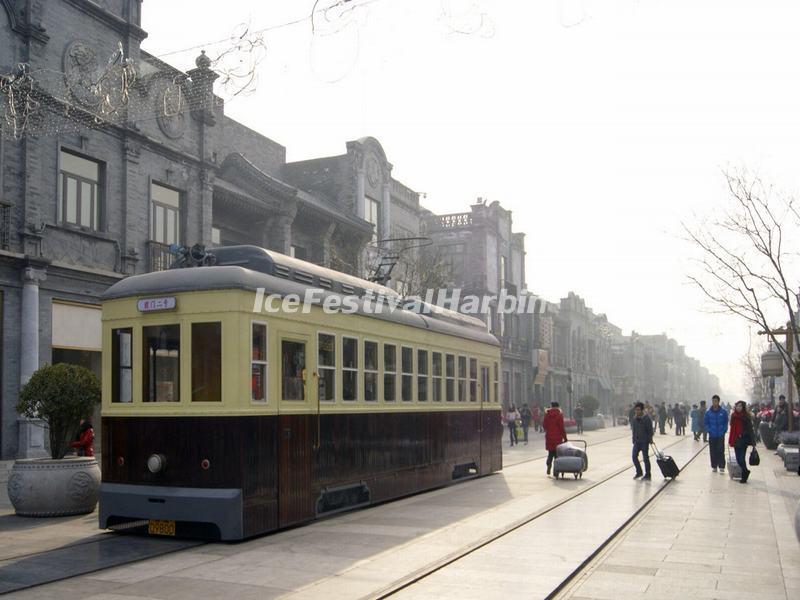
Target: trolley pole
x=789 y=333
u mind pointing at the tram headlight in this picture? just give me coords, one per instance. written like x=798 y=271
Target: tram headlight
x=156 y=463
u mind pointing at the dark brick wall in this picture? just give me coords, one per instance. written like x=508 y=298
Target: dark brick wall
x=267 y=155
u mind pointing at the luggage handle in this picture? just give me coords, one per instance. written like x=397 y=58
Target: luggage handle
x=585 y=445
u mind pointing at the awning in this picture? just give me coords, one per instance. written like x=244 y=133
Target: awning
x=76 y=327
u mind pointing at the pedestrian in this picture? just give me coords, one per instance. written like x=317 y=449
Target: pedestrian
x=741 y=436
x=578 y=414
x=511 y=420
x=670 y=415
x=631 y=414
x=537 y=419
x=84 y=439
x=695 y=416
x=642 y=433
x=662 y=418
x=676 y=418
x=526 y=416
x=702 y=410
x=780 y=418
x=554 y=432
x=681 y=420
x=716 y=424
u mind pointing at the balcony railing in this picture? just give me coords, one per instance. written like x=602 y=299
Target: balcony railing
x=515 y=346
x=5 y=226
x=451 y=221
x=160 y=258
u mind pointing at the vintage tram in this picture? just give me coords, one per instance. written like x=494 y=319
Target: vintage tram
x=224 y=420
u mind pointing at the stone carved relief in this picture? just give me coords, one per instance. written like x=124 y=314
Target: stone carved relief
x=171 y=108
x=81 y=486
x=81 y=73
x=15 y=489
x=373 y=171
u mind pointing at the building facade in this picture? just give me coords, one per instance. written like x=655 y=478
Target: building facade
x=86 y=200
x=485 y=257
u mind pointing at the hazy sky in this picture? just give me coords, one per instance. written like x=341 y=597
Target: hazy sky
x=601 y=123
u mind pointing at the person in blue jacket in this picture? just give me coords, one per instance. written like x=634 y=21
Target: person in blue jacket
x=716 y=424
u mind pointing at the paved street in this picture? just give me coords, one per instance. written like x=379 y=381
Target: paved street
x=708 y=537
x=438 y=544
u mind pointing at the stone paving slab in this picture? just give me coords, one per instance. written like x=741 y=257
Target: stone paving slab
x=727 y=541
x=560 y=542
x=370 y=548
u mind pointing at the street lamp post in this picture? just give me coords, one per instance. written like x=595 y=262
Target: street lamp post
x=569 y=390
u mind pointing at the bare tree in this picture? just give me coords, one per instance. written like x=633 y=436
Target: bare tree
x=748 y=263
x=426 y=269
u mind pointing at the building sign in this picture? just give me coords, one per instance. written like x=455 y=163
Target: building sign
x=156 y=304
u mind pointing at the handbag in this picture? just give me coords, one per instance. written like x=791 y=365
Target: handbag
x=754 y=459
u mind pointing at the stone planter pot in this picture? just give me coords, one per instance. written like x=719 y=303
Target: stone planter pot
x=592 y=423
x=797 y=522
x=54 y=488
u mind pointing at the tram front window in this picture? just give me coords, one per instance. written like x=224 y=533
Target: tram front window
x=161 y=363
x=293 y=359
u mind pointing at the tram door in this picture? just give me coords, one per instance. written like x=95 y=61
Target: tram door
x=295 y=425
x=486 y=425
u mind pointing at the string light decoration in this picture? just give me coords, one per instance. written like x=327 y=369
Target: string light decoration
x=90 y=93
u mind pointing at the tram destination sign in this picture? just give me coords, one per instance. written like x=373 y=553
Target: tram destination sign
x=156 y=304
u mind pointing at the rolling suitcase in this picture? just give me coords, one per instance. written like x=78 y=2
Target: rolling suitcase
x=667 y=464
x=734 y=470
x=570 y=459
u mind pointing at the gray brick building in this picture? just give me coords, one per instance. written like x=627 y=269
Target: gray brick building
x=84 y=203
x=486 y=257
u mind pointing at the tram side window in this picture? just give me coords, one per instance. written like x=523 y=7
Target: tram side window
x=349 y=369
x=122 y=366
x=473 y=379
x=293 y=370
x=161 y=345
x=422 y=375
x=389 y=372
x=258 y=363
x=207 y=362
x=450 y=373
x=370 y=371
x=436 y=362
x=407 y=379
x=326 y=363
x=462 y=378
x=496 y=383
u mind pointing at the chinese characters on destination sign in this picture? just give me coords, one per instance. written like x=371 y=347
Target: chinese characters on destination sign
x=154 y=304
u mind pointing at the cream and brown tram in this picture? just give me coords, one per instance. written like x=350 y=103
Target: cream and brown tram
x=224 y=422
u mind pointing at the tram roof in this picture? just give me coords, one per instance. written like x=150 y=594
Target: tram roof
x=251 y=268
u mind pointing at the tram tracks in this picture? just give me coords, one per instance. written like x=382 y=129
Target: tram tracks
x=118 y=549
x=430 y=569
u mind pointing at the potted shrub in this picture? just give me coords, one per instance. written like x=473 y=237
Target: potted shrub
x=59 y=395
x=590 y=420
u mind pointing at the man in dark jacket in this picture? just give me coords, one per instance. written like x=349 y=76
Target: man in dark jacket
x=780 y=419
x=642 y=430
x=526 y=415
x=703 y=430
x=662 y=418
x=716 y=424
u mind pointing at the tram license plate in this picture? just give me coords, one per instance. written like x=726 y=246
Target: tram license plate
x=157 y=527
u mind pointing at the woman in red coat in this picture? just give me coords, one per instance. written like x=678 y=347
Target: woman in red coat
x=84 y=441
x=554 y=432
x=741 y=436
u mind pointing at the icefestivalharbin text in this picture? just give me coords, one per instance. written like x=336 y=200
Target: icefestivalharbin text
x=376 y=302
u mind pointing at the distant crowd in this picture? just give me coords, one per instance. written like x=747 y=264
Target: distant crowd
x=709 y=424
